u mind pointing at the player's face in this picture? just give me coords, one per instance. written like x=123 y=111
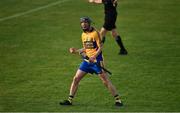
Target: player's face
x=85 y=26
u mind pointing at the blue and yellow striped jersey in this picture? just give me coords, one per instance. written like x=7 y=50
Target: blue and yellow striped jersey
x=91 y=42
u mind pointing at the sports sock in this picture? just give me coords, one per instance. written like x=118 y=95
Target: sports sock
x=117 y=98
x=119 y=42
x=70 y=98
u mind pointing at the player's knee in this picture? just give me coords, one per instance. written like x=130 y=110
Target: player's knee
x=103 y=32
x=114 y=34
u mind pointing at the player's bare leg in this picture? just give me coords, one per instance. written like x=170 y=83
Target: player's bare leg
x=118 y=39
x=74 y=86
x=107 y=83
x=105 y=79
x=103 y=34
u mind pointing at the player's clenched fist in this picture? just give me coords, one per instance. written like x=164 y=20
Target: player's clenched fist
x=72 y=50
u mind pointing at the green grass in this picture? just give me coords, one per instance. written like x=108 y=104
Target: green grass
x=36 y=69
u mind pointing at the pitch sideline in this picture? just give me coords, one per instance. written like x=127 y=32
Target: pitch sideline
x=33 y=10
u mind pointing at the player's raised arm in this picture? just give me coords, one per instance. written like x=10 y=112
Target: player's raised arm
x=95 y=1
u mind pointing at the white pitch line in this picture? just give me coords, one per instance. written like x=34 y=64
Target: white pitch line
x=32 y=10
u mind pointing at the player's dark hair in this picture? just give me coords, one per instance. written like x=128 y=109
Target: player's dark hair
x=85 y=19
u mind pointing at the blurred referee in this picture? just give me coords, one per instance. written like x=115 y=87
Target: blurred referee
x=109 y=22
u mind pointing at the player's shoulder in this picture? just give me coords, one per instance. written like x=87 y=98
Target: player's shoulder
x=95 y=30
x=83 y=35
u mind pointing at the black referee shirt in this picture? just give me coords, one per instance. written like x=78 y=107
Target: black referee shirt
x=109 y=7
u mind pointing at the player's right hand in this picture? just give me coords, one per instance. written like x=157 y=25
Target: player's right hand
x=72 y=50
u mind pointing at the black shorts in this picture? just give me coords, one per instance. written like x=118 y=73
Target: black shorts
x=110 y=21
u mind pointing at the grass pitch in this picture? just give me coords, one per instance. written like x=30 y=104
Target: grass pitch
x=36 y=69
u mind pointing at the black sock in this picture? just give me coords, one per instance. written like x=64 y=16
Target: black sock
x=119 y=42
x=103 y=39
